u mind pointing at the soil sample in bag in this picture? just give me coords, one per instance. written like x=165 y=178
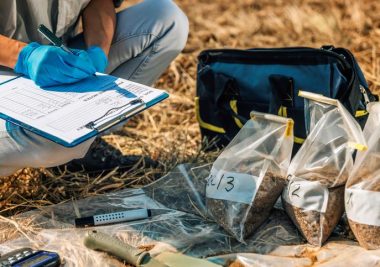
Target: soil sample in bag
x=316 y=224
x=245 y=218
x=250 y=174
x=362 y=196
x=314 y=195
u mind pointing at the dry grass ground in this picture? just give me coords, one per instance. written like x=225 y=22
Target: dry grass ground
x=169 y=132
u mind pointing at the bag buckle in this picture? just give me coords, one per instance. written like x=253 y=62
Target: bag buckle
x=365 y=95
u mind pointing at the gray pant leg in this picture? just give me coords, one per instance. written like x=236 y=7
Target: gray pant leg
x=147 y=38
x=20 y=148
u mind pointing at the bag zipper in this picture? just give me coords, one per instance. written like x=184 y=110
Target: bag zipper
x=247 y=55
x=221 y=54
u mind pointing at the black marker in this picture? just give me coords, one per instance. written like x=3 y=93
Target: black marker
x=116 y=217
x=54 y=40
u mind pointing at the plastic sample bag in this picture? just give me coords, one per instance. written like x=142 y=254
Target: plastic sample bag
x=250 y=174
x=314 y=196
x=362 y=198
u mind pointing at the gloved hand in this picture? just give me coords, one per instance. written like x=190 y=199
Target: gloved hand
x=49 y=65
x=98 y=58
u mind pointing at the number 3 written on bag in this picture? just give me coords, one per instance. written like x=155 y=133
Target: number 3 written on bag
x=229 y=185
x=238 y=187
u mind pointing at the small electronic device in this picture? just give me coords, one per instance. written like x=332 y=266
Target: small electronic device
x=26 y=257
x=116 y=217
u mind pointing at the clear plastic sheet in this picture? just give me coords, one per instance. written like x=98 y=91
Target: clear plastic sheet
x=183 y=189
x=167 y=230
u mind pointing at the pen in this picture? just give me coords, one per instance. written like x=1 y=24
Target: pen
x=116 y=217
x=52 y=38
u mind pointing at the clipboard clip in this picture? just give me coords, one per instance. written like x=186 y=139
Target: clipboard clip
x=94 y=125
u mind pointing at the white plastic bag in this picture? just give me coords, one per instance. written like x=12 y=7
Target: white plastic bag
x=250 y=174
x=314 y=196
x=362 y=198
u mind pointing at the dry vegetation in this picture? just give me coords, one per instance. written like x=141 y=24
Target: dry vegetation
x=169 y=132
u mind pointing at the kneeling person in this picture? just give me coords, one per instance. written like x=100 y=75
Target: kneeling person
x=137 y=44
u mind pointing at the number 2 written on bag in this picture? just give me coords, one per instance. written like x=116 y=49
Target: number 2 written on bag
x=307 y=195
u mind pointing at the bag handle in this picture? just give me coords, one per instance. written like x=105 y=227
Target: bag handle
x=227 y=91
x=358 y=79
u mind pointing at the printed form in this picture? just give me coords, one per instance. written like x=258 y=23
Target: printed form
x=65 y=111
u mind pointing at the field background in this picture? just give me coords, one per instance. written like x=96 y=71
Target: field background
x=169 y=132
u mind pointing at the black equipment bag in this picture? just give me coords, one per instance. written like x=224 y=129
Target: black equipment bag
x=231 y=83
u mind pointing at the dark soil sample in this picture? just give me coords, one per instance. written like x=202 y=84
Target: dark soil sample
x=240 y=219
x=315 y=226
x=368 y=236
x=343 y=229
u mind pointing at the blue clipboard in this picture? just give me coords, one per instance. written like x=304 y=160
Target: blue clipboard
x=96 y=129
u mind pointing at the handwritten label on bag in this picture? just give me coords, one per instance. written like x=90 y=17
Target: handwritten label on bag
x=232 y=186
x=306 y=194
x=362 y=206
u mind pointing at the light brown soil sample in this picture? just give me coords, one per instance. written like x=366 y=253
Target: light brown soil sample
x=241 y=220
x=368 y=236
x=316 y=227
x=366 y=176
x=236 y=264
x=326 y=177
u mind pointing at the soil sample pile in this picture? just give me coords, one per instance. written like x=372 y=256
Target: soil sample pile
x=250 y=174
x=362 y=197
x=314 y=196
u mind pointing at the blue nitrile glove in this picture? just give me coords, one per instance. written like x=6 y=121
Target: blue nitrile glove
x=98 y=57
x=50 y=65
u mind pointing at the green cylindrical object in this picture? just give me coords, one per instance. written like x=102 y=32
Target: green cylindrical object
x=100 y=241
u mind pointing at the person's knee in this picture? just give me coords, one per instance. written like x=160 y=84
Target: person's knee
x=148 y=37
x=46 y=154
x=180 y=24
x=172 y=24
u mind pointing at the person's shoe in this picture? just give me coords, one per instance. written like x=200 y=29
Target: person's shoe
x=102 y=157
